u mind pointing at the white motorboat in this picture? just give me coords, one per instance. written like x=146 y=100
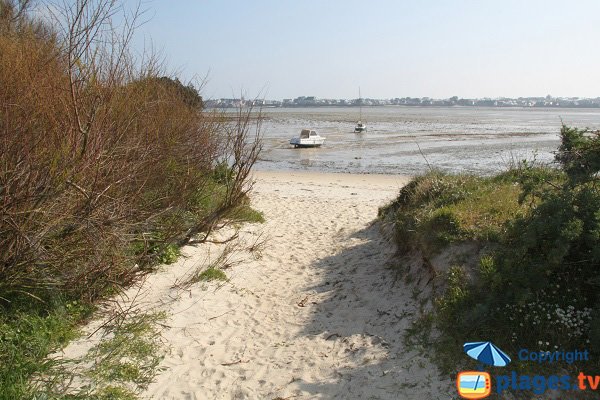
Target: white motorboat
x=308 y=138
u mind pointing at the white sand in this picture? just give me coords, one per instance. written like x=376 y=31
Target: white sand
x=317 y=317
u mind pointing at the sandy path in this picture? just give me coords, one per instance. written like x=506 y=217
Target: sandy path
x=317 y=317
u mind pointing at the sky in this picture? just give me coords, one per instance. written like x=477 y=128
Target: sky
x=278 y=49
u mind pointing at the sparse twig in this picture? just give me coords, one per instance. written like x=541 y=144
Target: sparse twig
x=425 y=158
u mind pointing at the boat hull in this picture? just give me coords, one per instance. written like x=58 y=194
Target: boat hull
x=307 y=142
x=305 y=146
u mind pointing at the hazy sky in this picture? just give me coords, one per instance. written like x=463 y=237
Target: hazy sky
x=328 y=48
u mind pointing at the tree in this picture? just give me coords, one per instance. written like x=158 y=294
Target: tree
x=188 y=93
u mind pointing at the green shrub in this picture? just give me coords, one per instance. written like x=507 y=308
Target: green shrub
x=222 y=173
x=539 y=288
x=169 y=254
x=27 y=336
x=436 y=209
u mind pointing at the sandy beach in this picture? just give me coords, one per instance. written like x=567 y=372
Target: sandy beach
x=314 y=314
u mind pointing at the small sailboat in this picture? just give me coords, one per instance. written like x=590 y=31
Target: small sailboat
x=360 y=126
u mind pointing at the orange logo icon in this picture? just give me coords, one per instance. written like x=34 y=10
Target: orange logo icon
x=473 y=384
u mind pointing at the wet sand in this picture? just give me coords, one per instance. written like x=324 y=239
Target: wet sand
x=408 y=140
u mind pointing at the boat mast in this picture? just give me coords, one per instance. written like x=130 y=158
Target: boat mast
x=360 y=104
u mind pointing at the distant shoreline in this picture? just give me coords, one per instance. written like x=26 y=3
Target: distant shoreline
x=413 y=106
x=422 y=106
x=500 y=102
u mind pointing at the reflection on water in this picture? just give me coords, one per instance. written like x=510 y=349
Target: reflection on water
x=403 y=140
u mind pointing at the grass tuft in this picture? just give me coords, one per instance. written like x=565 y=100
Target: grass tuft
x=437 y=209
x=212 y=274
x=248 y=214
x=119 y=367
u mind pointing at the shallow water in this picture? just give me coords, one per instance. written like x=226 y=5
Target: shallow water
x=410 y=140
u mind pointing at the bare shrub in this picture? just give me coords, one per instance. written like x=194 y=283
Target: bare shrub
x=103 y=162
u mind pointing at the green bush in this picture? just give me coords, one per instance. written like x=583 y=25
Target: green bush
x=539 y=288
x=28 y=335
x=436 y=209
x=551 y=257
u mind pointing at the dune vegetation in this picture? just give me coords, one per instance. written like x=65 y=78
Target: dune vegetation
x=108 y=165
x=535 y=232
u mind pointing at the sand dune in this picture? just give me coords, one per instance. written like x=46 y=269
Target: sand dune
x=317 y=316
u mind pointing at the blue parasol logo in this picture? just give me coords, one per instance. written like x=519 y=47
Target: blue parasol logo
x=486 y=353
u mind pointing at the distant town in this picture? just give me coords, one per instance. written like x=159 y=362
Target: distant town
x=312 y=101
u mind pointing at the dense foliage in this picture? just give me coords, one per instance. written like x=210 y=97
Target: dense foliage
x=106 y=167
x=537 y=285
x=551 y=257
